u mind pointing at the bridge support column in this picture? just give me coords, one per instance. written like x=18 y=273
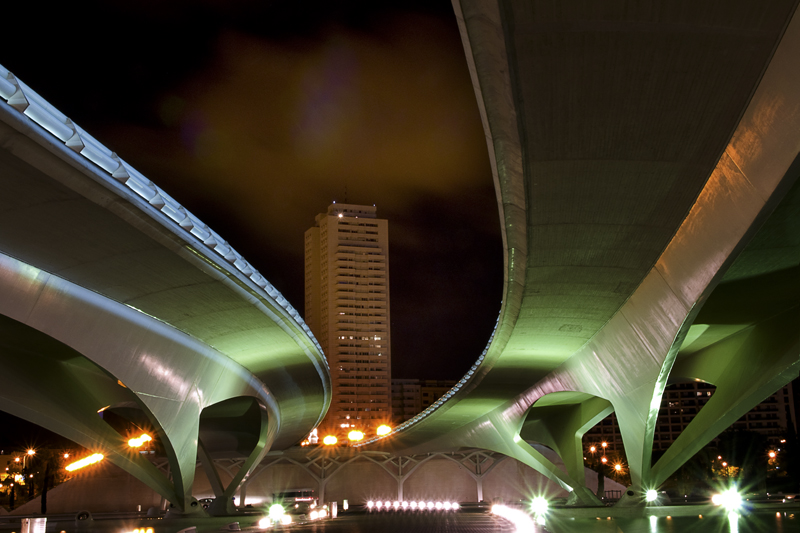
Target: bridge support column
x=561 y=427
x=497 y=439
x=746 y=368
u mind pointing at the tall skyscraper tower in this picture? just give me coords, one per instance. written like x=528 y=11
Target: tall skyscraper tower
x=347 y=308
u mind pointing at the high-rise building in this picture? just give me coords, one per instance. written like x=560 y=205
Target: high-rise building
x=682 y=401
x=411 y=396
x=347 y=308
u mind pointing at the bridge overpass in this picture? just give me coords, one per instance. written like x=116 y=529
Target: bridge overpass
x=645 y=161
x=122 y=311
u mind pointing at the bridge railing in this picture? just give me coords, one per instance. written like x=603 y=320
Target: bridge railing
x=25 y=100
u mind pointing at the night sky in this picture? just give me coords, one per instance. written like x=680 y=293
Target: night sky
x=257 y=115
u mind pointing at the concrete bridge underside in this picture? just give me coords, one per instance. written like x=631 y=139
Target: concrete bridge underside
x=117 y=303
x=645 y=162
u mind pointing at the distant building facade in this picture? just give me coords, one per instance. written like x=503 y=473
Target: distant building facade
x=411 y=396
x=347 y=309
x=682 y=401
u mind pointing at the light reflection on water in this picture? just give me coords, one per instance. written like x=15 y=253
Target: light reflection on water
x=751 y=523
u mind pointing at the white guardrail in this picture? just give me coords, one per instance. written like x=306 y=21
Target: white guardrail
x=29 y=103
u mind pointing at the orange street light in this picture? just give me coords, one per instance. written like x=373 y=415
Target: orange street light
x=772 y=454
x=604 y=444
x=31 y=452
x=139 y=441
x=604 y=460
x=86 y=461
x=592 y=449
x=355 y=435
x=329 y=440
x=618 y=467
x=383 y=429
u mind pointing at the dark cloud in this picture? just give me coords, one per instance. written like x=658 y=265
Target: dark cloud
x=256 y=115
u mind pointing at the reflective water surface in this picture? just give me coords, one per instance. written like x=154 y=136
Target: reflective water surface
x=775 y=522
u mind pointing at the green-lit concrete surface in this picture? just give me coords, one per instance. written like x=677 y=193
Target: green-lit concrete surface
x=116 y=299
x=644 y=161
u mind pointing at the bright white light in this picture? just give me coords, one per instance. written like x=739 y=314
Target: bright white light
x=522 y=522
x=651 y=495
x=455 y=506
x=323 y=513
x=387 y=503
x=413 y=505
x=431 y=505
x=286 y=519
x=378 y=504
x=733 y=522
x=447 y=506
x=421 y=505
x=653 y=523
x=313 y=515
x=405 y=505
x=370 y=504
x=276 y=512
x=731 y=500
x=439 y=506
x=539 y=506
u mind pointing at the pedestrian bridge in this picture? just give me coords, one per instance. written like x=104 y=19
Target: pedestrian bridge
x=645 y=161
x=122 y=311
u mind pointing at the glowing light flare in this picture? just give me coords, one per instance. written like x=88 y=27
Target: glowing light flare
x=604 y=460
x=286 y=519
x=31 y=452
x=730 y=499
x=651 y=495
x=138 y=442
x=355 y=435
x=142 y=530
x=733 y=522
x=370 y=504
x=592 y=449
x=618 y=467
x=772 y=454
x=383 y=429
x=329 y=440
x=265 y=522
x=86 y=461
x=522 y=522
x=539 y=505
x=276 y=512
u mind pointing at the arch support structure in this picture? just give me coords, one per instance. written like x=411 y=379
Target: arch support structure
x=170 y=376
x=746 y=368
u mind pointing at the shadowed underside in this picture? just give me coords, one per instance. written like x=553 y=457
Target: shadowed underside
x=637 y=150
